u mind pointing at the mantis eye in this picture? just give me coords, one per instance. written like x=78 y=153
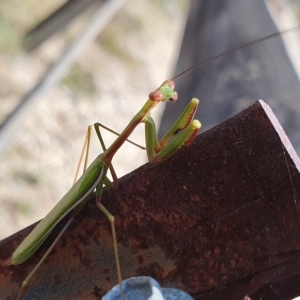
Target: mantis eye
x=171 y=84
x=156 y=96
x=173 y=98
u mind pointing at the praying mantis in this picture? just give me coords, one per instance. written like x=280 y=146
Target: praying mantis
x=182 y=133
x=95 y=176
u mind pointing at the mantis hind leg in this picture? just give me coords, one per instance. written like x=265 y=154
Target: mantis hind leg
x=84 y=152
x=99 y=190
x=30 y=275
x=111 y=219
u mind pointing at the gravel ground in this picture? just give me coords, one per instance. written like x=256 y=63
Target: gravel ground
x=111 y=81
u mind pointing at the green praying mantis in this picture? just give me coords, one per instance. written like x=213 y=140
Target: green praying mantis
x=182 y=133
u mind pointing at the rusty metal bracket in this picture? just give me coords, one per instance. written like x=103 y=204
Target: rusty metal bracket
x=220 y=220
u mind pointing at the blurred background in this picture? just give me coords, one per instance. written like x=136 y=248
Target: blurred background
x=108 y=83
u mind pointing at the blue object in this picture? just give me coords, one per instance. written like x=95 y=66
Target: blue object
x=145 y=288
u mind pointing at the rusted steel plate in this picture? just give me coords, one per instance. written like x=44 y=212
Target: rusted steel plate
x=208 y=220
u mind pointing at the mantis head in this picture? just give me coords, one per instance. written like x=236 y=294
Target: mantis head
x=164 y=93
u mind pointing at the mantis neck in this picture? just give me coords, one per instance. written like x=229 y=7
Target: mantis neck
x=136 y=120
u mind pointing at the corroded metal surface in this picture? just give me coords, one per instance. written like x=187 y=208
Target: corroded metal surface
x=209 y=220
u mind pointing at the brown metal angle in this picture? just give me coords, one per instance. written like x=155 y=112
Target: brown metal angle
x=219 y=220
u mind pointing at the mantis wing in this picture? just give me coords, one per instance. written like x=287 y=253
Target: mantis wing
x=80 y=190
